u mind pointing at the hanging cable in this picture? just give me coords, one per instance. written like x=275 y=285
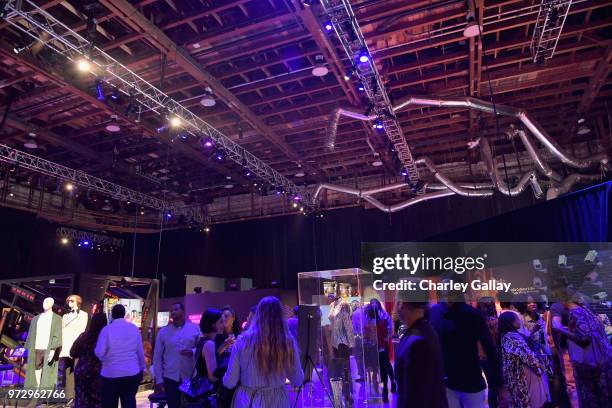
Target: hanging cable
x=492 y=100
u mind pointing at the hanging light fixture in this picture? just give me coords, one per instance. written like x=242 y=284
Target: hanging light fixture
x=319 y=69
x=208 y=100
x=31 y=142
x=113 y=125
x=472 y=29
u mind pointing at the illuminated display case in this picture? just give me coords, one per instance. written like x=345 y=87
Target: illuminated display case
x=338 y=339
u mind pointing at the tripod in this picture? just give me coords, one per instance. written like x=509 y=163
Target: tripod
x=307 y=362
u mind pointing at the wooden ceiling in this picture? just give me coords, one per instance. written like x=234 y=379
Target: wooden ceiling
x=257 y=57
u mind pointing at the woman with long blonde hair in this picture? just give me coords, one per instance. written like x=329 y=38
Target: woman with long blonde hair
x=262 y=359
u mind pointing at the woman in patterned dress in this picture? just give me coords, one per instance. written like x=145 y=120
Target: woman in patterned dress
x=591 y=356
x=524 y=371
x=87 y=371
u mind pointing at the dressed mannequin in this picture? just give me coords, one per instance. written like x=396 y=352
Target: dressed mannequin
x=44 y=338
x=73 y=324
x=343 y=340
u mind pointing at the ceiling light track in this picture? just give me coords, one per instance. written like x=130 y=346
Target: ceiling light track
x=344 y=22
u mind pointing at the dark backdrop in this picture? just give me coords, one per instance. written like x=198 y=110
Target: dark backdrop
x=275 y=249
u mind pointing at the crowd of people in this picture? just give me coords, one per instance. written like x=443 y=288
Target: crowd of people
x=446 y=347
x=450 y=354
x=222 y=364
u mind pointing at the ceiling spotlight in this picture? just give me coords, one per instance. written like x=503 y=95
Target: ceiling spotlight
x=208 y=142
x=208 y=100
x=228 y=186
x=83 y=65
x=113 y=125
x=404 y=172
x=168 y=214
x=296 y=197
x=378 y=124
x=11 y=194
x=175 y=121
x=142 y=212
x=294 y=205
x=328 y=26
x=472 y=29
x=207 y=229
x=364 y=55
x=300 y=174
x=377 y=163
x=348 y=75
x=581 y=121
x=114 y=95
x=69 y=186
x=319 y=69
x=64 y=241
x=583 y=130
x=248 y=174
x=219 y=157
x=360 y=88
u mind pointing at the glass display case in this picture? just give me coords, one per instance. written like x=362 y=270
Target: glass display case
x=337 y=338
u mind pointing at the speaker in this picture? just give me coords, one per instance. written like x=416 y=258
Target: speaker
x=309 y=324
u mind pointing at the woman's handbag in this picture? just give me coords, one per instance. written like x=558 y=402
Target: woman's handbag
x=196 y=387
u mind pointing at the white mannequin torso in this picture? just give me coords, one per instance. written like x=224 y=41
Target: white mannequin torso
x=43 y=330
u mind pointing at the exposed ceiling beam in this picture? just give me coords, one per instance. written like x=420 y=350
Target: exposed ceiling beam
x=136 y=21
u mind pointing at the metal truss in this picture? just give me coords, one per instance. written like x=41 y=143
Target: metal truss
x=349 y=33
x=93 y=238
x=549 y=24
x=28 y=18
x=82 y=179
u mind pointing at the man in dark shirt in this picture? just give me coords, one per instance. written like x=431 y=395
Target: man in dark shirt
x=460 y=330
x=418 y=365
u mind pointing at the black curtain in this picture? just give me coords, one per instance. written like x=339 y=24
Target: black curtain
x=276 y=249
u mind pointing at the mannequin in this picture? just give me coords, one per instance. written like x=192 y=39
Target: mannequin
x=44 y=338
x=73 y=324
x=343 y=341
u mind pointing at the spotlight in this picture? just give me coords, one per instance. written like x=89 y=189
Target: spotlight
x=11 y=194
x=404 y=172
x=378 y=124
x=208 y=142
x=175 y=121
x=168 y=215
x=364 y=56
x=114 y=95
x=296 y=197
x=85 y=243
x=219 y=156
x=248 y=174
x=83 y=65
x=207 y=229
x=360 y=88
x=348 y=75
x=69 y=186
x=65 y=241
x=328 y=26
x=591 y=256
x=294 y=205
x=99 y=90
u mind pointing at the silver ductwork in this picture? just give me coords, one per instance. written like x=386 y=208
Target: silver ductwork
x=357 y=192
x=334 y=120
x=456 y=188
x=529 y=178
x=538 y=131
x=408 y=203
x=540 y=163
x=473 y=186
x=569 y=182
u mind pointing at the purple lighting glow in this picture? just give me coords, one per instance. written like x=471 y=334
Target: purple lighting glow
x=364 y=58
x=329 y=26
x=296 y=198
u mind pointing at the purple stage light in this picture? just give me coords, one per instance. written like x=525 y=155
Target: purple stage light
x=329 y=26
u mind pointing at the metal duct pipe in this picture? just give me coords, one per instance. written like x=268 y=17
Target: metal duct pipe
x=332 y=127
x=410 y=202
x=535 y=128
x=334 y=187
x=569 y=182
x=567 y=158
x=358 y=192
x=503 y=187
x=541 y=164
x=473 y=186
x=451 y=184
